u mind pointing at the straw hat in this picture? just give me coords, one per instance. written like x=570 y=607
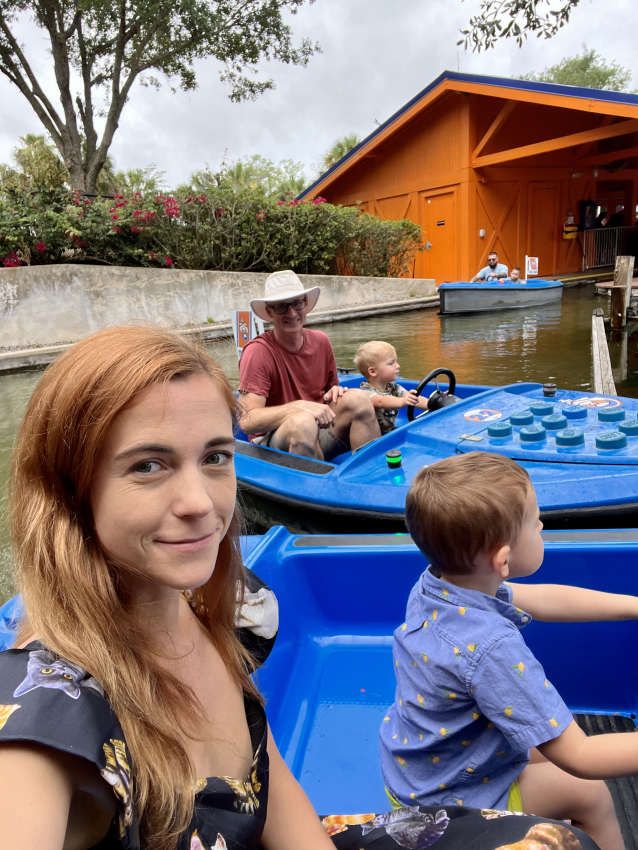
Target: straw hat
x=283 y=286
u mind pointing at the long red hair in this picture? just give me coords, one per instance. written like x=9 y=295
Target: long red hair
x=74 y=593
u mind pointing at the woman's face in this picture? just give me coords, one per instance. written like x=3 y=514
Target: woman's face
x=164 y=489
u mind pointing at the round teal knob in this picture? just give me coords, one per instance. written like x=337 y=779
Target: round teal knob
x=611 y=440
x=542 y=408
x=629 y=427
x=573 y=412
x=499 y=429
x=570 y=437
x=533 y=434
x=522 y=417
x=554 y=422
x=616 y=414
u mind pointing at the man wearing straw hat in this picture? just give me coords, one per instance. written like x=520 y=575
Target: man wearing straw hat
x=288 y=382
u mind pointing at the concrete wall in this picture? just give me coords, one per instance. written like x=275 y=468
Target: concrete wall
x=44 y=305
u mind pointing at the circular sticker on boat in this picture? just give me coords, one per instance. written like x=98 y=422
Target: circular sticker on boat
x=594 y=402
x=482 y=414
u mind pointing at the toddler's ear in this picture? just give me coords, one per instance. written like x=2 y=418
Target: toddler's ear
x=501 y=561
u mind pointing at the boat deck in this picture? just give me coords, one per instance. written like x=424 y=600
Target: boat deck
x=330 y=678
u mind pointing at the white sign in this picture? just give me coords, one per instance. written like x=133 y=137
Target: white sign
x=531 y=266
x=246 y=326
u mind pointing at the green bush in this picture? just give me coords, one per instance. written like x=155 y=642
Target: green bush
x=224 y=229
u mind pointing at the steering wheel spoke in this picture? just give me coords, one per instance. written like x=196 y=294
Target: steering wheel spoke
x=433 y=376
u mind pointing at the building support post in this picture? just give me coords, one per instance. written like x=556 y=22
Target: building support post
x=621 y=291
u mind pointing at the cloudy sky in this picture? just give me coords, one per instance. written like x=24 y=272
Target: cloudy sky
x=377 y=54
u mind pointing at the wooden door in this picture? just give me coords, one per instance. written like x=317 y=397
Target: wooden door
x=543 y=231
x=438 y=261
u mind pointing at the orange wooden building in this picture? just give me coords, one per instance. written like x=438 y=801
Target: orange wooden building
x=487 y=163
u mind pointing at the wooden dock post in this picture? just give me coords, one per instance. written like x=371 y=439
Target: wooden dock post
x=621 y=291
x=603 y=377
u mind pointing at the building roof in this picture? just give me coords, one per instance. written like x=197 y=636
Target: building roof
x=550 y=94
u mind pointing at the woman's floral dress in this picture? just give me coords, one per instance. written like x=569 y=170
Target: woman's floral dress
x=48 y=700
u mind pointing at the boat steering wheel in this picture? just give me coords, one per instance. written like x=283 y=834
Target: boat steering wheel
x=439 y=398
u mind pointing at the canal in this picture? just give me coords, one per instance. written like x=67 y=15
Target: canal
x=542 y=344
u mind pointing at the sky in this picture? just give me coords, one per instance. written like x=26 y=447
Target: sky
x=377 y=54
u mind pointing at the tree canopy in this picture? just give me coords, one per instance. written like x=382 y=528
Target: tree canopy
x=103 y=48
x=515 y=19
x=277 y=181
x=340 y=148
x=587 y=69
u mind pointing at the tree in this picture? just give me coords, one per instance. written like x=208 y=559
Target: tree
x=515 y=19
x=107 y=47
x=586 y=69
x=339 y=149
x=281 y=181
x=36 y=163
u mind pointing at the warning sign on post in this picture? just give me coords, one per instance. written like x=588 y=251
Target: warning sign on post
x=531 y=266
x=246 y=326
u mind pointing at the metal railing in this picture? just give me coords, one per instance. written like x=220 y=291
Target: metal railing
x=603 y=245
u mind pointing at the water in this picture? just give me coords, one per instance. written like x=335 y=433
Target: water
x=548 y=343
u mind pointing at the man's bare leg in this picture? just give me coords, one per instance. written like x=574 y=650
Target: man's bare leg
x=298 y=434
x=547 y=791
x=356 y=423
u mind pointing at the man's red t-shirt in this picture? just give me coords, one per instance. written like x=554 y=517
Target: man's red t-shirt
x=281 y=376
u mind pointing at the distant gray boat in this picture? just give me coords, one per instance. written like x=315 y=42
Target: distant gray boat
x=497 y=295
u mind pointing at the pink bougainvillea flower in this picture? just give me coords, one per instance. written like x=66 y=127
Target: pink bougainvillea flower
x=41 y=247
x=115 y=216
x=11 y=261
x=134 y=229
x=169 y=262
x=116 y=229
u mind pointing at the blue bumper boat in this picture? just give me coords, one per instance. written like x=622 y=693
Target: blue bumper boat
x=580 y=450
x=330 y=679
x=483 y=297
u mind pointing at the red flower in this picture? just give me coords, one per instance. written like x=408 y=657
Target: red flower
x=169 y=262
x=261 y=215
x=152 y=256
x=11 y=261
x=134 y=229
x=116 y=230
x=41 y=247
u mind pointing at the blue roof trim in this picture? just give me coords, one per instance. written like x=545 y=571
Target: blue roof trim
x=497 y=82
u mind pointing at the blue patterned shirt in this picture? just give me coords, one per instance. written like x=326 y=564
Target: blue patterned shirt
x=471 y=699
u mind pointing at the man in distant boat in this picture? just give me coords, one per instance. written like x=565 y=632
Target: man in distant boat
x=492 y=271
x=289 y=389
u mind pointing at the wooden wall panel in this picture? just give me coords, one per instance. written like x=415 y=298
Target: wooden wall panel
x=435 y=145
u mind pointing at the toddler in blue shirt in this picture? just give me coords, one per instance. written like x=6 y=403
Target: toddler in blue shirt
x=475 y=721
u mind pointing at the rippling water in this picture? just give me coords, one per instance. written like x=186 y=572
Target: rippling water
x=549 y=343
